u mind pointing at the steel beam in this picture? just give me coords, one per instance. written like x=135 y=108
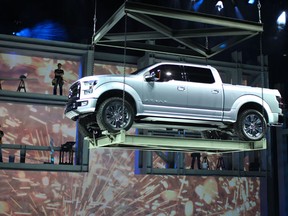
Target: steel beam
x=132 y=7
x=186 y=33
x=45 y=167
x=116 y=17
x=32 y=98
x=84 y=167
x=153 y=48
x=187 y=172
x=167 y=32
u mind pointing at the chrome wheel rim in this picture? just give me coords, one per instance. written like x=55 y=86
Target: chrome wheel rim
x=115 y=116
x=253 y=126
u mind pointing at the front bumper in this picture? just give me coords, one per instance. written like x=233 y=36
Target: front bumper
x=80 y=107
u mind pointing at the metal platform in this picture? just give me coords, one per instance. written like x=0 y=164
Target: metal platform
x=159 y=143
x=40 y=165
x=191 y=172
x=33 y=98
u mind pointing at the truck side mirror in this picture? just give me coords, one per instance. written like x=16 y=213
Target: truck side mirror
x=150 y=78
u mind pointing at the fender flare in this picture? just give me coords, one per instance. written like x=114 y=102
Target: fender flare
x=119 y=86
x=245 y=99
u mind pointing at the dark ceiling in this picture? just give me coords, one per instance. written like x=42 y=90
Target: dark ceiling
x=76 y=19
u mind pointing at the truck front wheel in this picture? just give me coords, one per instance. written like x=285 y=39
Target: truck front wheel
x=114 y=115
x=251 y=125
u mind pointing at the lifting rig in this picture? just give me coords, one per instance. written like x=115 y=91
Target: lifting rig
x=186 y=44
x=175 y=147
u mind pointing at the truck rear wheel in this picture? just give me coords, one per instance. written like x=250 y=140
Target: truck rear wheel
x=112 y=117
x=251 y=125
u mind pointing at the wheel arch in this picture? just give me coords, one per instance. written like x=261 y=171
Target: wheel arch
x=251 y=102
x=255 y=106
x=117 y=93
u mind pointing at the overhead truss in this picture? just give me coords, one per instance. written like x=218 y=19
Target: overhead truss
x=228 y=31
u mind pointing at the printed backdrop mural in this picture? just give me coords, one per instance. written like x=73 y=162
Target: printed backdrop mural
x=110 y=187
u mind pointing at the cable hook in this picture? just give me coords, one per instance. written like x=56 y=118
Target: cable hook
x=259 y=11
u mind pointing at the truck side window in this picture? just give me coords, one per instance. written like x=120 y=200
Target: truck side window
x=198 y=74
x=169 y=73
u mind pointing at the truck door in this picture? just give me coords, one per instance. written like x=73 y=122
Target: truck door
x=167 y=93
x=205 y=96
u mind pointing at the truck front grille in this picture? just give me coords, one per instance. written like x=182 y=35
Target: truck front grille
x=74 y=91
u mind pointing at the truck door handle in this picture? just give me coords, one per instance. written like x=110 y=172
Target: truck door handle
x=180 y=88
x=215 y=91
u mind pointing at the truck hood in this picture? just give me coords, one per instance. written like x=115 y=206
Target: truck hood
x=105 y=78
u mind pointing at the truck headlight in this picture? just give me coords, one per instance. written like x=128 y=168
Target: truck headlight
x=88 y=86
x=90 y=83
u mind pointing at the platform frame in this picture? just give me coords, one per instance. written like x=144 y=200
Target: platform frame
x=146 y=142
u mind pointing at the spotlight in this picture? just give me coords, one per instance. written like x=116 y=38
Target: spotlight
x=196 y=5
x=48 y=30
x=251 y=1
x=219 y=6
x=281 y=21
x=238 y=13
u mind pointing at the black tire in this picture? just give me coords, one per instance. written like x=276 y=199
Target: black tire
x=251 y=125
x=82 y=127
x=110 y=112
x=88 y=127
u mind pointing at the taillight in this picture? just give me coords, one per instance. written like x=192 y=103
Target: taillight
x=281 y=104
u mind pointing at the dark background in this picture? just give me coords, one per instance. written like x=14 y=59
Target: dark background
x=75 y=19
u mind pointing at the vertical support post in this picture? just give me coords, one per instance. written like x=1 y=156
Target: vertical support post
x=143 y=162
x=22 y=154
x=1 y=159
x=180 y=162
x=170 y=160
x=85 y=70
x=85 y=155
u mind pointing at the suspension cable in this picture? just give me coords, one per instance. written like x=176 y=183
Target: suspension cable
x=124 y=62
x=262 y=78
x=94 y=21
x=261 y=62
x=207 y=47
x=261 y=53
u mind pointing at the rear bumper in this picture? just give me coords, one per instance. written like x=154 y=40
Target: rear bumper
x=279 y=122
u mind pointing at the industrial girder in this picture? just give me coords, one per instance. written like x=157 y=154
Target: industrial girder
x=228 y=31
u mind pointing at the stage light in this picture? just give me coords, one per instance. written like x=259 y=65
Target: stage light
x=219 y=6
x=281 y=21
x=196 y=5
x=47 y=30
x=251 y=1
x=238 y=13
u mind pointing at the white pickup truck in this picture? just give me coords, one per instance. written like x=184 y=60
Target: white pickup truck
x=174 y=93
